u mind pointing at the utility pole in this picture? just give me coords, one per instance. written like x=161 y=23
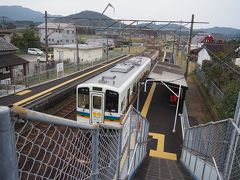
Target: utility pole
x=179 y=38
x=3 y=21
x=173 y=46
x=107 y=49
x=189 y=47
x=46 y=43
x=77 y=49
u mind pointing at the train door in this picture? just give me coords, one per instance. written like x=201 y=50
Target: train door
x=97 y=106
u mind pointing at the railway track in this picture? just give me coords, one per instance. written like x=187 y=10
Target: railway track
x=68 y=110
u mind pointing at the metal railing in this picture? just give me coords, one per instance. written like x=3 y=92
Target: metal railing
x=37 y=145
x=137 y=128
x=216 y=94
x=212 y=150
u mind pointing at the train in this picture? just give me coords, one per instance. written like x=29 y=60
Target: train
x=106 y=97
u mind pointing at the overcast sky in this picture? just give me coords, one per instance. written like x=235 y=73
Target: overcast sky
x=217 y=12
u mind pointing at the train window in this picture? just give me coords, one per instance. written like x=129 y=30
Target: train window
x=111 y=104
x=97 y=102
x=83 y=98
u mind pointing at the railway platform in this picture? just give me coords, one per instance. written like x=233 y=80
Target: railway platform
x=43 y=91
x=160 y=105
x=164 y=146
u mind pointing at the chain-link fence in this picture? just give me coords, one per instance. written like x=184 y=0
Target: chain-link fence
x=216 y=94
x=235 y=169
x=212 y=150
x=134 y=142
x=49 y=147
x=40 y=74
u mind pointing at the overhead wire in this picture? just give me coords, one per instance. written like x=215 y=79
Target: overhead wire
x=222 y=61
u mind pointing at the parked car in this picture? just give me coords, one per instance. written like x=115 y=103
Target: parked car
x=43 y=58
x=35 y=51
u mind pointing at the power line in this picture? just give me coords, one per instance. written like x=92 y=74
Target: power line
x=219 y=59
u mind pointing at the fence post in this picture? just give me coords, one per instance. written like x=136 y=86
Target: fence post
x=198 y=150
x=95 y=146
x=8 y=160
x=232 y=147
x=129 y=138
x=119 y=154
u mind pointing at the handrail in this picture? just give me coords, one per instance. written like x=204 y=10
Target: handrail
x=210 y=123
x=236 y=127
x=126 y=115
x=140 y=114
x=133 y=157
x=182 y=126
x=31 y=115
x=215 y=164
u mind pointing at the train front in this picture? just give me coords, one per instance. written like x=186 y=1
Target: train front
x=97 y=104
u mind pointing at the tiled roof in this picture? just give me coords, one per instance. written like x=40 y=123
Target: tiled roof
x=5 y=46
x=5 y=31
x=214 y=48
x=11 y=59
x=56 y=25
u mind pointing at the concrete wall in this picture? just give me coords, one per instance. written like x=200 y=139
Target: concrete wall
x=203 y=55
x=62 y=36
x=85 y=55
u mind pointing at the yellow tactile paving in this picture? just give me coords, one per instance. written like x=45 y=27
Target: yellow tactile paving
x=159 y=153
x=62 y=84
x=148 y=101
x=23 y=92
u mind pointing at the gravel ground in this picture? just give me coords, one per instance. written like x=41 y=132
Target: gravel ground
x=198 y=109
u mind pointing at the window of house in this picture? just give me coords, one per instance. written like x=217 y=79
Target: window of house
x=67 y=40
x=67 y=31
x=72 y=32
x=72 y=40
x=52 y=40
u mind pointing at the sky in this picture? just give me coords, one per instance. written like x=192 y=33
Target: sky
x=223 y=13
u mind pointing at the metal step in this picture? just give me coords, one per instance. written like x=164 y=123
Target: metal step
x=155 y=168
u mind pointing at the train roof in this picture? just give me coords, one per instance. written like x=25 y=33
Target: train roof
x=120 y=73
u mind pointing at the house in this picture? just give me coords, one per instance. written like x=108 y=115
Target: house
x=199 y=39
x=236 y=57
x=58 y=33
x=207 y=51
x=12 y=67
x=68 y=53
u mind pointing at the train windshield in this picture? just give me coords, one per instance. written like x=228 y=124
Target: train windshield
x=83 y=98
x=111 y=101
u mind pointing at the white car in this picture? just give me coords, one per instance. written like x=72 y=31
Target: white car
x=35 y=51
x=43 y=58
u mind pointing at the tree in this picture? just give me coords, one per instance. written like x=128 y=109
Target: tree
x=27 y=40
x=226 y=80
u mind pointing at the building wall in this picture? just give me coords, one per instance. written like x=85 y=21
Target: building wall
x=59 y=36
x=203 y=55
x=69 y=55
x=237 y=62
